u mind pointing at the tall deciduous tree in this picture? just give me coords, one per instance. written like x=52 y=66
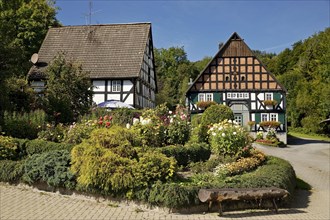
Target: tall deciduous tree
x=69 y=90
x=23 y=26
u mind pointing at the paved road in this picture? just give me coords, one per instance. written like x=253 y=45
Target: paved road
x=309 y=158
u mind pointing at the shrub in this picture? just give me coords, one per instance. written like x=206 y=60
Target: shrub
x=205 y=104
x=79 y=131
x=191 y=152
x=123 y=116
x=173 y=195
x=51 y=167
x=54 y=133
x=228 y=138
x=178 y=130
x=114 y=137
x=11 y=171
x=272 y=124
x=243 y=164
x=270 y=102
x=24 y=125
x=8 y=148
x=216 y=113
x=99 y=168
x=38 y=146
x=260 y=135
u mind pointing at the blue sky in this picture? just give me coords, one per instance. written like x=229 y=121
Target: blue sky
x=199 y=26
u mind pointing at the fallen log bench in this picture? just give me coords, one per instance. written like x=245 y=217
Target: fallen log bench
x=241 y=194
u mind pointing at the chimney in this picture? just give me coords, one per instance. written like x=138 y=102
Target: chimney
x=220 y=45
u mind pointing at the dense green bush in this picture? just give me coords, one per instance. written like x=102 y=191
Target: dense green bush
x=123 y=116
x=216 y=113
x=51 y=167
x=8 y=148
x=79 y=131
x=191 y=152
x=11 y=171
x=103 y=169
x=24 y=125
x=173 y=195
x=228 y=138
x=38 y=146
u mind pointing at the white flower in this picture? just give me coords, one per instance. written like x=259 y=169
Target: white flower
x=234 y=133
x=212 y=128
x=135 y=121
x=170 y=112
x=171 y=120
x=223 y=134
x=230 y=121
x=128 y=125
x=220 y=128
x=213 y=133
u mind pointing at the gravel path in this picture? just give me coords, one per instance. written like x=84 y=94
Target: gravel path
x=310 y=160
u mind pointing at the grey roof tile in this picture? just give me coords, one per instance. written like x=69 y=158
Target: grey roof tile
x=106 y=51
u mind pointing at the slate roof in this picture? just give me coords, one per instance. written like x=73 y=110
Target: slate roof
x=106 y=51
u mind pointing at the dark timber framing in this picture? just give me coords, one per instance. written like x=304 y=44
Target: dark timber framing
x=238 y=78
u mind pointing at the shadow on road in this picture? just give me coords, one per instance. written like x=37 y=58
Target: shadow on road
x=301 y=199
x=301 y=141
x=252 y=213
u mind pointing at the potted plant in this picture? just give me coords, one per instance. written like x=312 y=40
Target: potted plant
x=271 y=124
x=270 y=102
x=205 y=104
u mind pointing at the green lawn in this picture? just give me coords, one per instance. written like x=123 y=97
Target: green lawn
x=309 y=136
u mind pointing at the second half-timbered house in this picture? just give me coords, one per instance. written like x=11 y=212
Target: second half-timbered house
x=237 y=78
x=118 y=57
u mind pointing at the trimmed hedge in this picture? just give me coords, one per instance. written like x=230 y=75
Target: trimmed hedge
x=191 y=152
x=275 y=172
x=38 y=146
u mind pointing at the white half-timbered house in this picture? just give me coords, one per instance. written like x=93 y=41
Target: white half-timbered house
x=119 y=58
x=237 y=78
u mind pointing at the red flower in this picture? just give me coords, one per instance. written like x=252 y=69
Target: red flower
x=107 y=124
x=110 y=118
x=100 y=122
x=101 y=118
x=106 y=118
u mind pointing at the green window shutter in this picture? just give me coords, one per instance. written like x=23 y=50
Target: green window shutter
x=277 y=97
x=257 y=118
x=194 y=97
x=281 y=118
x=217 y=97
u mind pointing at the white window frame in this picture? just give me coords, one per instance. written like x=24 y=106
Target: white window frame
x=201 y=97
x=204 y=97
x=208 y=96
x=273 y=117
x=116 y=85
x=268 y=96
x=237 y=95
x=262 y=117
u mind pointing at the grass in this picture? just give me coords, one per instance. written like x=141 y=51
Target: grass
x=309 y=136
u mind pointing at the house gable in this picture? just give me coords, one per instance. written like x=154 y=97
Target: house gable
x=235 y=67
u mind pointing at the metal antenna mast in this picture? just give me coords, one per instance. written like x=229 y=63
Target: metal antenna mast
x=88 y=15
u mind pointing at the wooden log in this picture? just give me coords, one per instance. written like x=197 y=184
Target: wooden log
x=236 y=194
x=232 y=194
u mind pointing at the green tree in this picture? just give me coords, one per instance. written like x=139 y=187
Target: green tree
x=23 y=26
x=68 y=92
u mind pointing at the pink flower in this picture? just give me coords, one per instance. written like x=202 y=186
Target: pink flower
x=100 y=122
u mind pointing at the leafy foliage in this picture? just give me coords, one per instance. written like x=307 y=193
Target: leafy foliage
x=228 y=138
x=23 y=26
x=68 y=93
x=8 y=148
x=108 y=162
x=305 y=72
x=191 y=152
x=216 y=113
x=38 y=146
x=52 y=167
x=11 y=171
x=24 y=125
